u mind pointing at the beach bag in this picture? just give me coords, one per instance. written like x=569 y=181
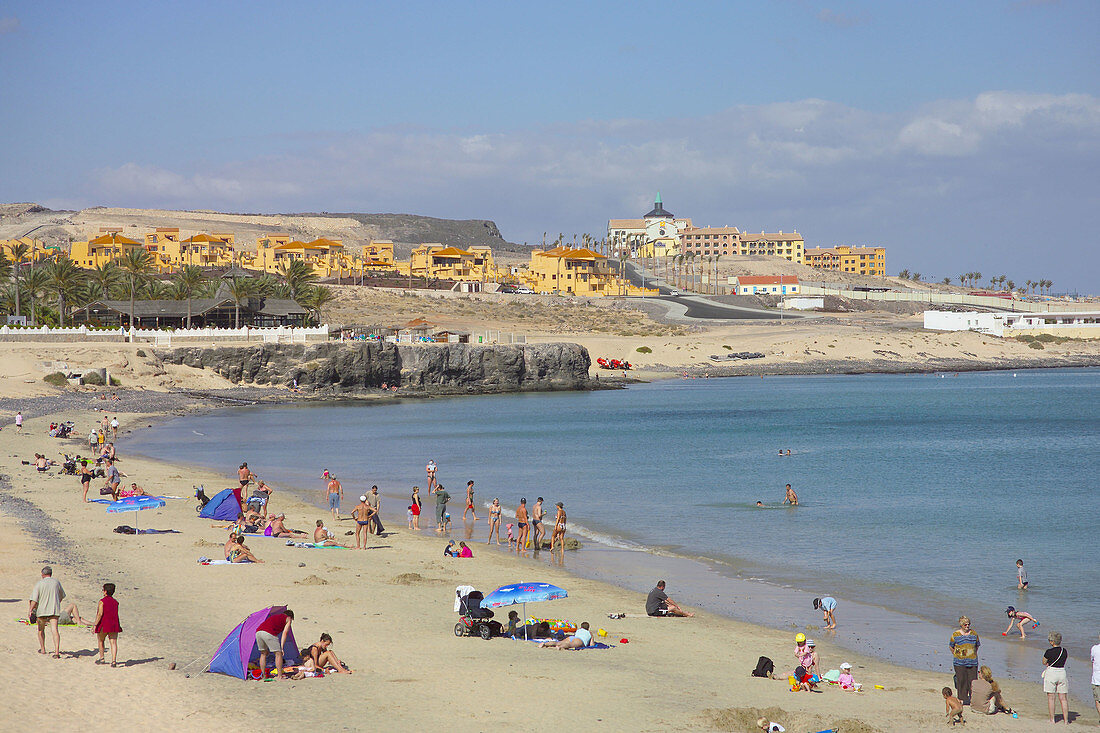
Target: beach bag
x=105 y=491
x=764 y=667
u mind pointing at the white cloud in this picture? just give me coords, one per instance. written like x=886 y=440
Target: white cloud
x=979 y=168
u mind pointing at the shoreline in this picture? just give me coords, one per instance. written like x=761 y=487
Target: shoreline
x=898 y=637
x=213 y=599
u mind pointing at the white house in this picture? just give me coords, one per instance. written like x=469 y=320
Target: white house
x=1078 y=324
x=764 y=284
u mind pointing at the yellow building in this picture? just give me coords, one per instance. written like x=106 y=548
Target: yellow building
x=101 y=250
x=37 y=250
x=572 y=272
x=326 y=257
x=789 y=246
x=854 y=260
x=378 y=255
x=434 y=261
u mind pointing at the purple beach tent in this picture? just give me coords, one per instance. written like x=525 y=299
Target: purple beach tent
x=239 y=648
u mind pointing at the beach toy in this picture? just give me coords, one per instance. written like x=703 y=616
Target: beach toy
x=1004 y=633
x=879 y=687
x=602 y=632
x=624 y=641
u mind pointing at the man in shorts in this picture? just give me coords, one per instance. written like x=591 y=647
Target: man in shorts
x=114 y=478
x=522 y=526
x=536 y=523
x=335 y=492
x=45 y=609
x=271 y=637
x=659 y=604
x=362 y=514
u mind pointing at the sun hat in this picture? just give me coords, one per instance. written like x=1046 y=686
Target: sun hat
x=363 y=497
x=800 y=638
x=811 y=643
x=845 y=665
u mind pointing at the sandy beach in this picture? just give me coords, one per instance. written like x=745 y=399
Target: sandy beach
x=389 y=610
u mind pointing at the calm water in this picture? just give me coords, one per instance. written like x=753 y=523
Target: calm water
x=918 y=492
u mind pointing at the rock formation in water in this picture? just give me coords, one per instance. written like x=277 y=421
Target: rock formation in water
x=430 y=368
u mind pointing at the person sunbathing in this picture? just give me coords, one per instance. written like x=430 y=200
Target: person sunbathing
x=321 y=535
x=134 y=490
x=320 y=656
x=240 y=552
x=278 y=529
x=40 y=463
x=579 y=640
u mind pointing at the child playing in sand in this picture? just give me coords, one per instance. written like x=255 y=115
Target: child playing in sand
x=827 y=606
x=511 y=539
x=767 y=725
x=1020 y=618
x=846 y=681
x=954 y=707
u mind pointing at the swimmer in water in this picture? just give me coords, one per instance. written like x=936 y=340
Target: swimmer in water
x=759 y=503
x=791 y=497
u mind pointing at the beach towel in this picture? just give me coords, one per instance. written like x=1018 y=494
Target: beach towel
x=208 y=561
x=314 y=546
x=593 y=645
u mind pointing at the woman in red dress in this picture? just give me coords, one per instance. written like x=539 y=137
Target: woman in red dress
x=106 y=623
x=414 y=507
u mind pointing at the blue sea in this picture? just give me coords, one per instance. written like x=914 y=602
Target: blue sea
x=917 y=492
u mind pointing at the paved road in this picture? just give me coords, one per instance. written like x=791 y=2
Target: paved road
x=699 y=306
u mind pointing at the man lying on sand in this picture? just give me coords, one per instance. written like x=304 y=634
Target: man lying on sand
x=579 y=640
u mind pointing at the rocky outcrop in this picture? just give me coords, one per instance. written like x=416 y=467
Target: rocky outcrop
x=424 y=368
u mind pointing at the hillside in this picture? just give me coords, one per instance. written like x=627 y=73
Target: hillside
x=406 y=230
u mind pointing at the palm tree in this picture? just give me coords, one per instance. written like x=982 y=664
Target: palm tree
x=138 y=265
x=188 y=279
x=315 y=298
x=64 y=278
x=105 y=276
x=904 y=274
x=916 y=277
x=946 y=281
x=18 y=252
x=155 y=289
x=1011 y=286
x=239 y=289
x=5 y=266
x=35 y=283
x=717 y=288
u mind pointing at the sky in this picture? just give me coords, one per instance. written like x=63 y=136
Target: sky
x=961 y=136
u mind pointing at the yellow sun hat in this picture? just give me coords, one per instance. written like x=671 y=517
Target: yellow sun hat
x=799 y=638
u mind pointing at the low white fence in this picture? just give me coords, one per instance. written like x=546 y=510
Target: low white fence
x=166 y=337
x=928 y=296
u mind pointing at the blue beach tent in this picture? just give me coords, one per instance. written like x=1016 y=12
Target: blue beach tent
x=224 y=506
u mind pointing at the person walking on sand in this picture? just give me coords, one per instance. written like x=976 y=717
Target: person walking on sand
x=271 y=638
x=431 y=475
x=19 y=422
x=441 y=499
x=1020 y=619
x=335 y=492
x=1055 y=684
x=827 y=606
x=964 y=645
x=93 y=440
x=45 y=609
x=106 y=624
x=558 y=535
x=791 y=498
x=469 y=501
x=537 y=513
x=361 y=513
x=85 y=478
x=494 y=522
x=114 y=428
x=415 y=507
x=521 y=522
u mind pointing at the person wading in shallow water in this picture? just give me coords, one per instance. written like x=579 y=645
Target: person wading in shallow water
x=791 y=498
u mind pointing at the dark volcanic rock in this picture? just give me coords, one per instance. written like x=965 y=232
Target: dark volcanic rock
x=430 y=368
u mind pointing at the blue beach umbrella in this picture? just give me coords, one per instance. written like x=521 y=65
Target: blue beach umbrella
x=517 y=593
x=135 y=504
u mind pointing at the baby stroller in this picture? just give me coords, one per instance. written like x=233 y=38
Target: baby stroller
x=475 y=620
x=203 y=499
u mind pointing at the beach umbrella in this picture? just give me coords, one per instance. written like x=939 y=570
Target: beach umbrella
x=517 y=593
x=135 y=504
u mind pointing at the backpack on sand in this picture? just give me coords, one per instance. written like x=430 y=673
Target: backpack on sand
x=764 y=668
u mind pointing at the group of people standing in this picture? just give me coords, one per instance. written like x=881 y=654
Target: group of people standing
x=531 y=532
